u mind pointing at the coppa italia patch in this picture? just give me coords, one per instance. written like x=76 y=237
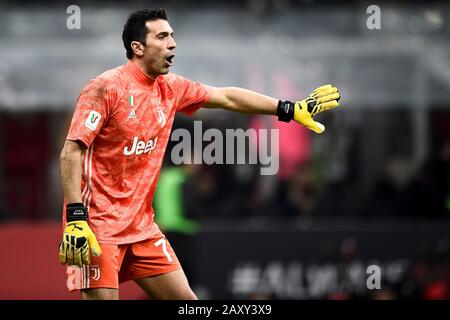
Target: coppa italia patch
x=92 y=120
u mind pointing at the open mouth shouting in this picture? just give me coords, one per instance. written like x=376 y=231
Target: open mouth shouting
x=169 y=59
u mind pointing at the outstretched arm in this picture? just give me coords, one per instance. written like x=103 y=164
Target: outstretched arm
x=247 y=101
x=242 y=100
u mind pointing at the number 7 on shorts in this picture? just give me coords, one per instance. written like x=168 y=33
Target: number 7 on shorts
x=162 y=242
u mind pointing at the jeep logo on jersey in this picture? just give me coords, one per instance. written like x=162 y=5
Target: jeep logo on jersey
x=140 y=147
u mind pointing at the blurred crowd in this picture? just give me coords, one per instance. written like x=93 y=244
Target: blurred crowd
x=301 y=190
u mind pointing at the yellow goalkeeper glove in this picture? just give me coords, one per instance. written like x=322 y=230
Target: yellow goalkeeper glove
x=323 y=98
x=78 y=239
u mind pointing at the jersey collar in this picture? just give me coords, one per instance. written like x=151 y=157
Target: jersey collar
x=138 y=74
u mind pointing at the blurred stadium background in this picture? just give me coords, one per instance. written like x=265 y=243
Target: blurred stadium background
x=374 y=189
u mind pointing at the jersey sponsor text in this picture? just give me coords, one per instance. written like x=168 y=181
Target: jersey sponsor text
x=140 y=147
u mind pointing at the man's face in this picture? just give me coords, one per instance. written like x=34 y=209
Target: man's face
x=159 y=48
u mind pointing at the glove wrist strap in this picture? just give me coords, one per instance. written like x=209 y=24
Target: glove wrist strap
x=76 y=211
x=285 y=111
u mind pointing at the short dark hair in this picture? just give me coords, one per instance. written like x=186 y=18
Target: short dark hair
x=135 y=28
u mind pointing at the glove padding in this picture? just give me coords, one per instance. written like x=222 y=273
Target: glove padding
x=323 y=98
x=78 y=241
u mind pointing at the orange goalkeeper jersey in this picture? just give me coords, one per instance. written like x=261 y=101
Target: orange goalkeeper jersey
x=124 y=118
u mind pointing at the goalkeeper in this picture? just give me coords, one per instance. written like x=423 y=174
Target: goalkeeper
x=113 y=154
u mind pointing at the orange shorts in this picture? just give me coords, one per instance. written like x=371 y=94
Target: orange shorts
x=120 y=263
